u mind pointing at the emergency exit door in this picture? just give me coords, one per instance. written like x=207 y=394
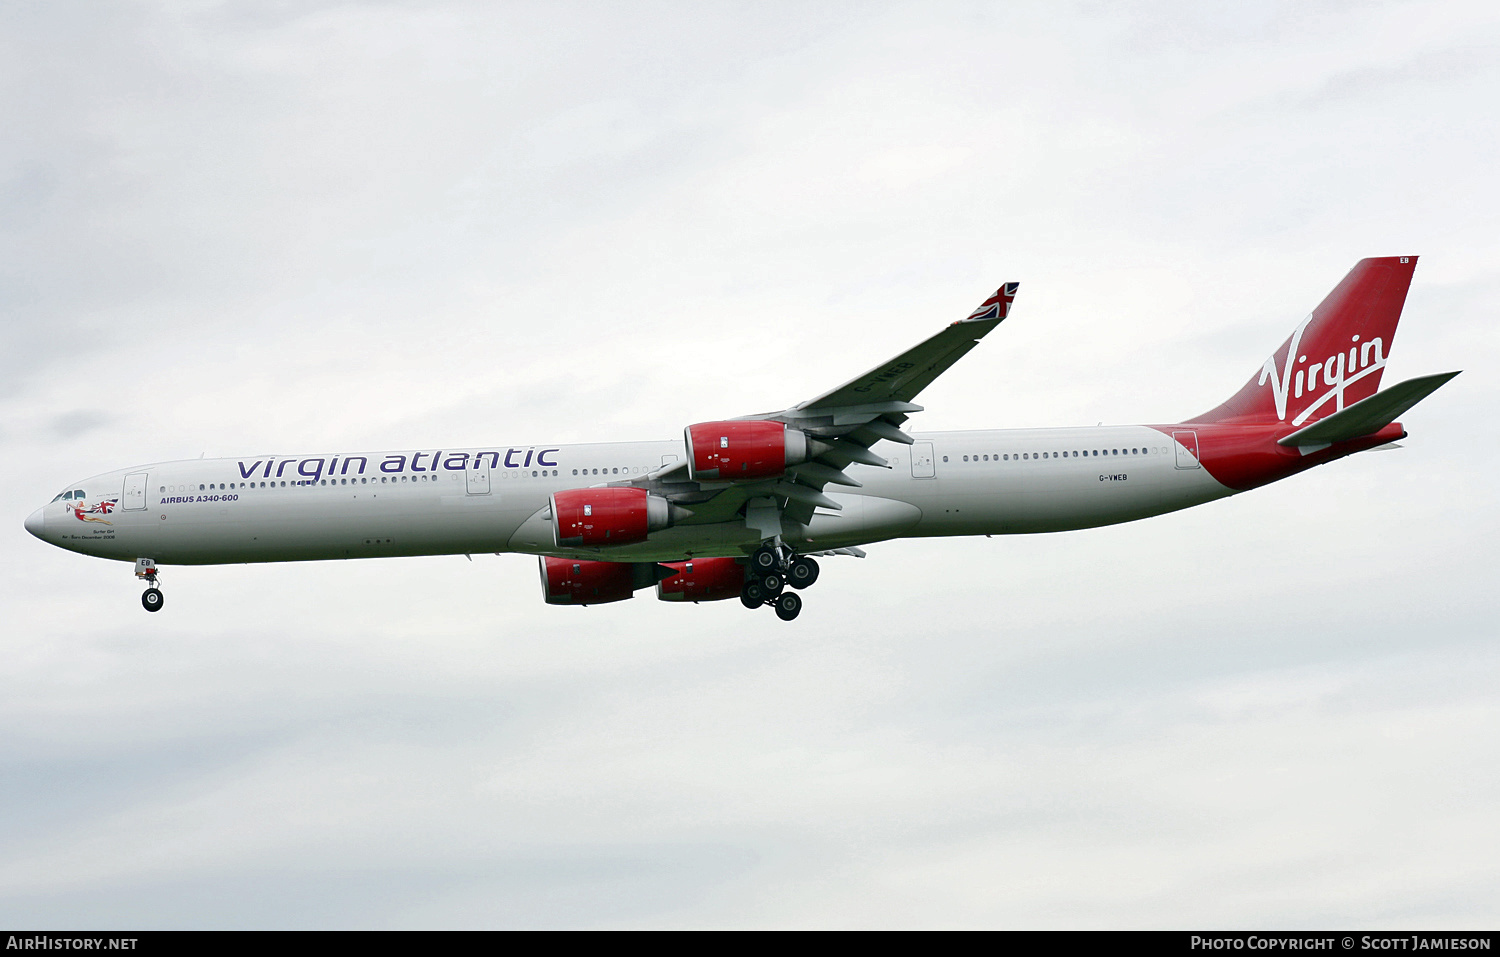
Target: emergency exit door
x=922 y=465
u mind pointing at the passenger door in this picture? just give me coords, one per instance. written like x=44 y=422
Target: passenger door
x=134 y=495
x=477 y=478
x=1187 y=449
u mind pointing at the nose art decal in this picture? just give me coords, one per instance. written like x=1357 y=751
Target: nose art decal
x=95 y=513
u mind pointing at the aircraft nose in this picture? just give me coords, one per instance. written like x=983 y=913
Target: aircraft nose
x=36 y=521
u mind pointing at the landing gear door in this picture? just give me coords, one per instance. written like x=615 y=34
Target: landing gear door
x=1187 y=449
x=477 y=478
x=134 y=495
x=922 y=461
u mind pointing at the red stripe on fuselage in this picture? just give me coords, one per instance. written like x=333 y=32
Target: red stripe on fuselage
x=1243 y=457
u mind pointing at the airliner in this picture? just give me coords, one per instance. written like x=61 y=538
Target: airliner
x=743 y=508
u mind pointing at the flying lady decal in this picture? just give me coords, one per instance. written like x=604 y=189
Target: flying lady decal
x=93 y=512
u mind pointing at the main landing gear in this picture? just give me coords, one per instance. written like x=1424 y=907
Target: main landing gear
x=151 y=599
x=772 y=568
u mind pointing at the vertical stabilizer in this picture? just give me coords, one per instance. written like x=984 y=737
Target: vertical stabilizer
x=1335 y=357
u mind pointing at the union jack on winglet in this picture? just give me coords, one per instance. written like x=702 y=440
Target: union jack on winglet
x=998 y=305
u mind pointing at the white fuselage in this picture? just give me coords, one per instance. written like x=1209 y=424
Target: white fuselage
x=367 y=505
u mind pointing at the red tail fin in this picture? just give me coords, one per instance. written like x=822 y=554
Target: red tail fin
x=1335 y=357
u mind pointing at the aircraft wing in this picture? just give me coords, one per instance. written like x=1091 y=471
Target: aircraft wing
x=903 y=377
x=843 y=423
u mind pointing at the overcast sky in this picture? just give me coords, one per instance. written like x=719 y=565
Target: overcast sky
x=237 y=228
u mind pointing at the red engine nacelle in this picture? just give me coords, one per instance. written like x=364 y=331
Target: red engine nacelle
x=607 y=516
x=703 y=579
x=566 y=582
x=743 y=450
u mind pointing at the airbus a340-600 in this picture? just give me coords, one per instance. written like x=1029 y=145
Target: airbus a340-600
x=742 y=508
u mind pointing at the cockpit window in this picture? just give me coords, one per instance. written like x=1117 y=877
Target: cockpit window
x=78 y=493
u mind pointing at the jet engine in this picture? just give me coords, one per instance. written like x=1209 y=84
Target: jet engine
x=756 y=449
x=608 y=516
x=702 y=579
x=566 y=582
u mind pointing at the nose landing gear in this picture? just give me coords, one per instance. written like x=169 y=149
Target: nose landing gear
x=773 y=567
x=151 y=599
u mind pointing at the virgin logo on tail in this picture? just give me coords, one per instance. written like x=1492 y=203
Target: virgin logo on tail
x=1337 y=372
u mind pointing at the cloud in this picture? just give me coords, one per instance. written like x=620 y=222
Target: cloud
x=247 y=227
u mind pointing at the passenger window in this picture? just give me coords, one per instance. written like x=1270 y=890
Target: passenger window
x=945 y=458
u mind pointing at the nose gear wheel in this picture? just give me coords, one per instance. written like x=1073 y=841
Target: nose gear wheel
x=151 y=599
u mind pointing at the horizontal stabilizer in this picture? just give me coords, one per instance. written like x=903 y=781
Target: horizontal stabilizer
x=1370 y=415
